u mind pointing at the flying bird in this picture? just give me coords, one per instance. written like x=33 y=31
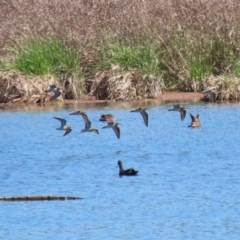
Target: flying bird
x=63 y=126
x=107 y=118
x=88 y=124
x=114 y=126
x=55 y=90
x=127 y=172
x=180 y=109
x=195 y=121
x=210 y=94
x=143 y=113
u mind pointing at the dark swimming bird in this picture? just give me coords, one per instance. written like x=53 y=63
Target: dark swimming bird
x=144 y=114
x=180 y=109
x=55 y=90
x=88 y=127
x=107 y=118
x=114 y=126
x=195 y=121
x=127 y=172
x=63 y=126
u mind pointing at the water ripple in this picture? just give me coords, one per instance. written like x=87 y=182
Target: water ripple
x=187 y=187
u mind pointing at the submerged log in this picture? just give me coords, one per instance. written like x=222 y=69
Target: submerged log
x=38 y=198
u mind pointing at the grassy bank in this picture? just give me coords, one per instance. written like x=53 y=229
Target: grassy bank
x=44 y=56
x=181 y=44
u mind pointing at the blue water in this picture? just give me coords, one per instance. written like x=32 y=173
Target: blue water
x=188 y=186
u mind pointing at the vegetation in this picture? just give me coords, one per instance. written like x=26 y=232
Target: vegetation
x=145 y=57
x=44 y=56
x=181 y=42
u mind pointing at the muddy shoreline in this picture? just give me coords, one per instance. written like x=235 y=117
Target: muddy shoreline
x=167 y=96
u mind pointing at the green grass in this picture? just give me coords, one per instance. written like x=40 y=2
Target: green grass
x=199 y=68
x=184 y=56
x=192 y=56
x=44 y=56
x=236 y=68
x=143 y=57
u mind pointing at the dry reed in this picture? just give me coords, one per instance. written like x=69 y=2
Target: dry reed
x=116 y=84
x=85 y=22
x=91 y=24
x=19 y=88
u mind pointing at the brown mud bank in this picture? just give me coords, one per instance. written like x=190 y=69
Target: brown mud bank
x=182 y=96
x=166 y=96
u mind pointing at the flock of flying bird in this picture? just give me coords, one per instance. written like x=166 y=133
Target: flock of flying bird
x=112 y=123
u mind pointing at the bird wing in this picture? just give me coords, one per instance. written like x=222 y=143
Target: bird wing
x=63 y=121
x=68 y=130
x=51 y=89
x=86 y=120
x=192 y=117
x=116 y=130
x=136 y=110
x=175 y=107
x=95 y=130
x=183 y=114
x=57 y=93
x=145 y=117
x=130 y=171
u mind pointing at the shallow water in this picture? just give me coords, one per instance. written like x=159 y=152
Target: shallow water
x=187 y=186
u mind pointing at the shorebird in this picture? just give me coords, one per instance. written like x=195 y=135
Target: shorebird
x=107 y=117
x=144 y=114
x=180 y=109
x=127 y=172
x=63 y=126
x=88 y=127
x=55 y=90
x=210 y=94
x=195 y=121
x=114 y=126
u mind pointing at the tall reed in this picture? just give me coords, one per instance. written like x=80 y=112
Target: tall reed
x=179 y=40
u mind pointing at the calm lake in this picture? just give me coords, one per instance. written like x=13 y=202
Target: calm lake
x=188 y=186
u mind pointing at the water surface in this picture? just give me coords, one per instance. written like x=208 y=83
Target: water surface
x=187 y=186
